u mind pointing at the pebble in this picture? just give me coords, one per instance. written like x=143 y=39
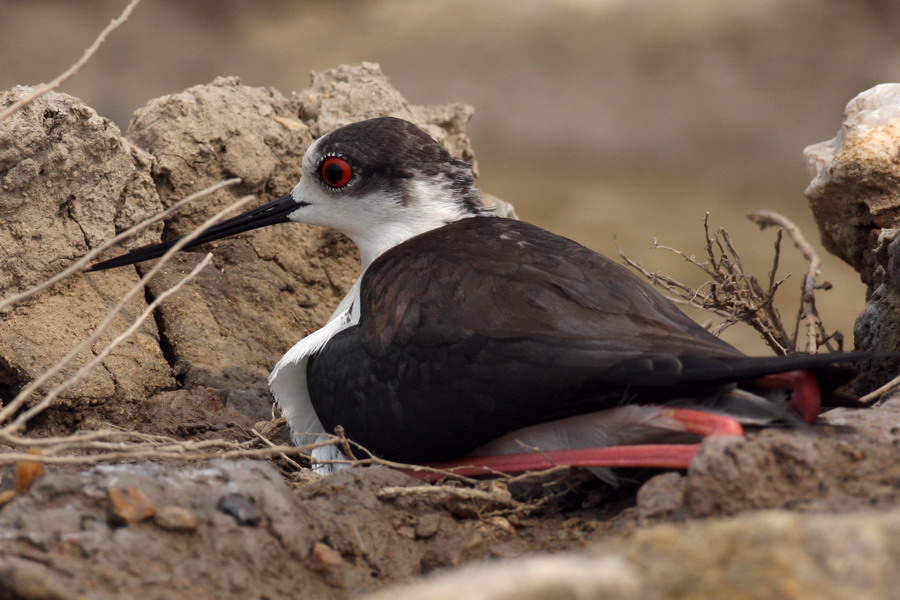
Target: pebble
x=176 y=518
x=324 y=557
x=130 y=505
x=242 y=508
x=428 y=526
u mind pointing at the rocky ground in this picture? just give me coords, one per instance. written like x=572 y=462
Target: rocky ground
x=808 y=513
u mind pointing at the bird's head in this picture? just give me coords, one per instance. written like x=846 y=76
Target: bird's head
x=379 y=181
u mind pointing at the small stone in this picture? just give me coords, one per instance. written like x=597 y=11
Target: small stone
x=428 y=526
x=130 y=505
x=324 y=557
x=407 y=531
x=175 y=518
x=503 y=524
x=242 y=508
x=26 y=471
x=473 y=548
x=662 y=497
x=6 y=496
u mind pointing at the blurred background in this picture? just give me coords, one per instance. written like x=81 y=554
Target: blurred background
x=609 y=121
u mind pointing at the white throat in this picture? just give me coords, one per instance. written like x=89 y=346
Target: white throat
x=379 y=221
x=429 y=207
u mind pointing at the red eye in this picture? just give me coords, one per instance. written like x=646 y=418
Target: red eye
x=336 y=172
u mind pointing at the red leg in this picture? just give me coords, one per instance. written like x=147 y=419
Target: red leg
x=806 y=395
x=664 y=456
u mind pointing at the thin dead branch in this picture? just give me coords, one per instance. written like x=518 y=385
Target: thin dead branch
x=59 y=80
x=730 y=292
x=878 y=393
x=345 y=443
x=489 y=500
x=807 y=314
x=297 y=466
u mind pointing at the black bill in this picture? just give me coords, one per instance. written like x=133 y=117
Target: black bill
x=276 y=211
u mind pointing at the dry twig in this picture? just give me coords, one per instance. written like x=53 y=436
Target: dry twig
x=731 y=292
x=345 y=443
x=875 y=394
x=815 y=332
x=293 y=463
x=59 y=80
x=737 y=295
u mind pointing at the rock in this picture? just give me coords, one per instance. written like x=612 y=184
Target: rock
x=20 y=581
x=817 y=470
x=130 y=505
x=64 y=515
x=881 y=424
x=661 y=498
x=768 y=555
x=855 y=198
x=212 y=132
x=242 y=508
x=324 y=557
x=428 y=526
x=877 y=328
x=68 y=181
x=853 y=193
x=574 y=577
x=351 y=93
x=763 y=556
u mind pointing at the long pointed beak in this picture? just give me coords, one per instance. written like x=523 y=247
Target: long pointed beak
x=276 y=211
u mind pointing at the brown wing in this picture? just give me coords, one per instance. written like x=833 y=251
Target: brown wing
x=502 y=279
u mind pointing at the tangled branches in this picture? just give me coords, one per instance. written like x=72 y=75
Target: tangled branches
x=738 y=296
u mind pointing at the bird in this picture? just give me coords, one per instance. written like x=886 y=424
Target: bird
x=474 y=339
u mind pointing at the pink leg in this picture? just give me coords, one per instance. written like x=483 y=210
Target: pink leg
x=806 y=396
x=665 y=456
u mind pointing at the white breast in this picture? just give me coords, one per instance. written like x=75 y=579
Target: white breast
x=289 y=386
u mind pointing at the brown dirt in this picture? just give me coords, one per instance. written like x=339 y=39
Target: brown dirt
x=236 y=528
